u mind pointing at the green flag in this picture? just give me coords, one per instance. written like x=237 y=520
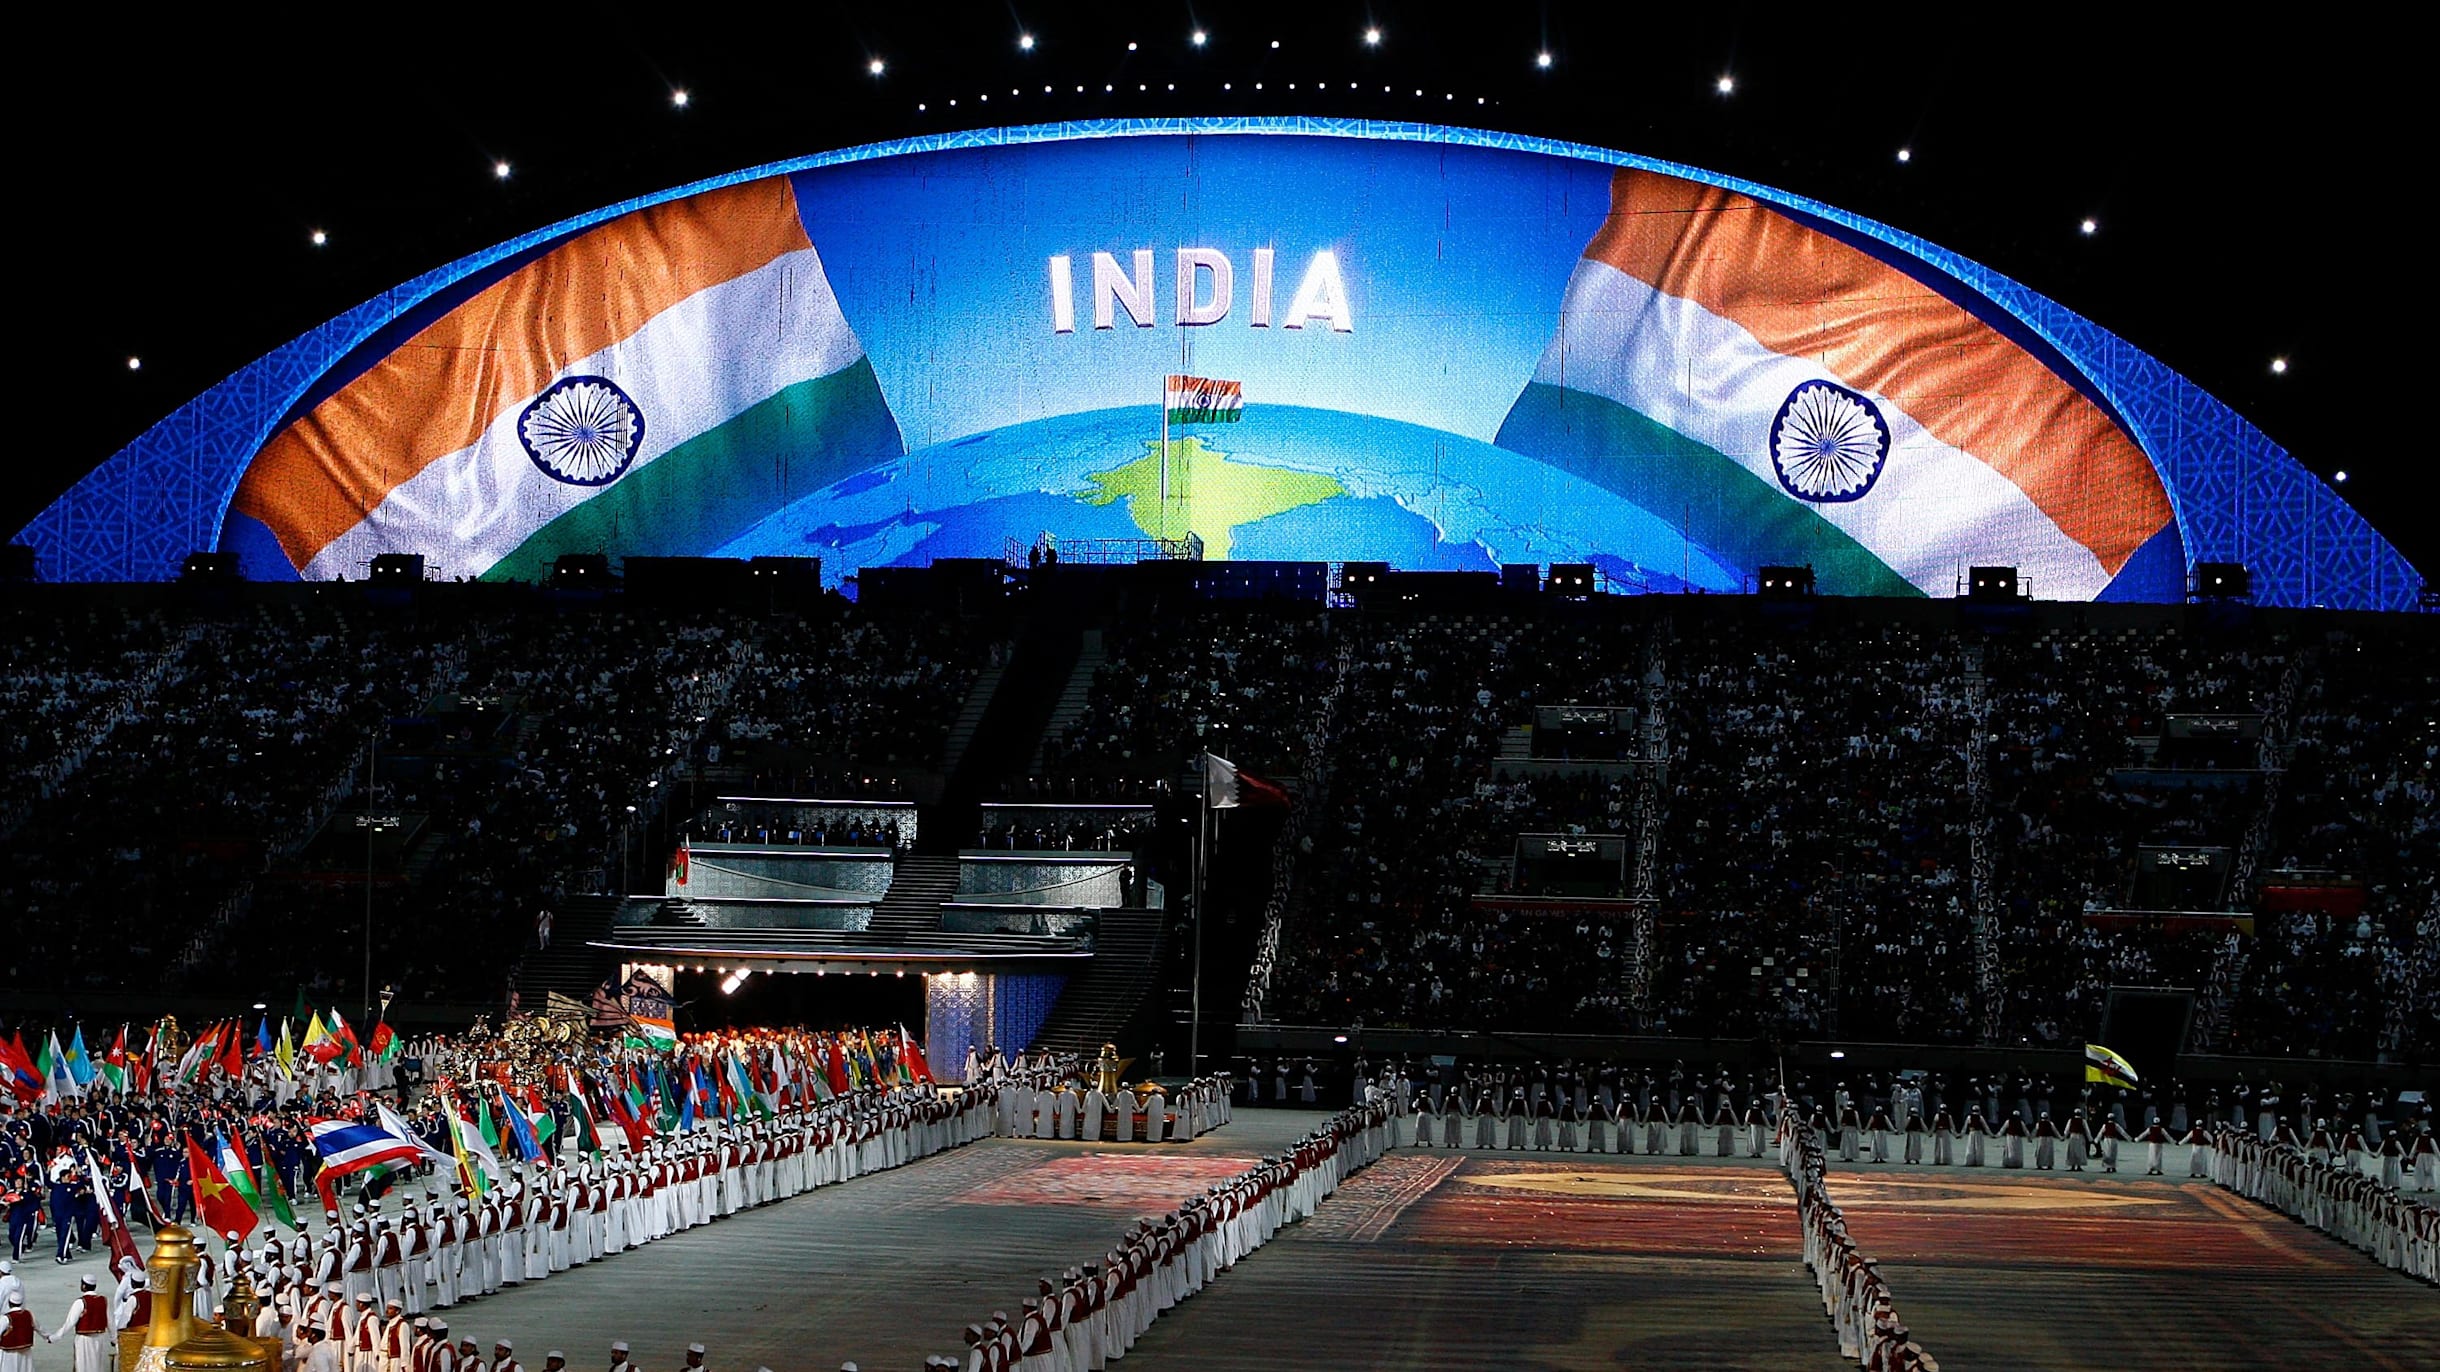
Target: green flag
x=588 y=1141
x=267 y=1186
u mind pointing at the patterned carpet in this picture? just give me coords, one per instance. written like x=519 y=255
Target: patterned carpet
x=2054 y=1270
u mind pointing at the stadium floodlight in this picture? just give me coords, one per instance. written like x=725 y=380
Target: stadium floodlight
x=320 y=239
x=135 y=364
x=1542 y=59
x=2278 y=366
x=679 y=98
x=1372 y=38
x=1906 y=154
x=1130 y=47
x=1274 y=45
x=1726 y=85
x=876 y=66
x=2339 y=476
x=1198 y=38
x=500 y=170
x=2089 y=227
x=1025 y=42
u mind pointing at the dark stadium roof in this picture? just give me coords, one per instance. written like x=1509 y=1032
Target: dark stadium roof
x=2221 y=174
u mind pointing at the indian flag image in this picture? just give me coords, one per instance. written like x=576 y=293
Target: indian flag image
x=1203 y=400
x=656 y=1032
x=652 y=386
x=1785 y=396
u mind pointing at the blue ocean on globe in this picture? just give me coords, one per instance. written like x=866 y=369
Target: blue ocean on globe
x=1284 y=483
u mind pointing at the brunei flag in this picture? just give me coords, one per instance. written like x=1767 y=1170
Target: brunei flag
x=1203 y=400
x=2102 y=1065
x=1788 y=395
x=657 y=384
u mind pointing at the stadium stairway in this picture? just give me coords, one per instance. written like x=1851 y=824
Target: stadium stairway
x=970 y=718
x=1101 y=1003
x=1074 y=697
x=568 y=966
x=911 y=907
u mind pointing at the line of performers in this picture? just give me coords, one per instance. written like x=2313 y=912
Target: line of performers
x=366 y=1291
x=2338 y=1198
x=1090 y=1315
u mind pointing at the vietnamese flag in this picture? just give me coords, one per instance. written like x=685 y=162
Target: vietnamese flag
x=222 y=1207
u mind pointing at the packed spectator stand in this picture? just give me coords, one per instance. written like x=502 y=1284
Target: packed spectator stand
x=1870 y=820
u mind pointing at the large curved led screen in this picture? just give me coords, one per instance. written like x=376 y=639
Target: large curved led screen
x=1437 y=349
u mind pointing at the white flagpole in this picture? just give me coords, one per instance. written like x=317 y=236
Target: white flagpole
x=1164 y=453
x=1194 y=1032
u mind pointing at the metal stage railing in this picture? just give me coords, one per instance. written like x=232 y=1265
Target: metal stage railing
x=1104 y=552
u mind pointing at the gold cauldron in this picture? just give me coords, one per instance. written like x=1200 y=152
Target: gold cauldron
x=175 y=1341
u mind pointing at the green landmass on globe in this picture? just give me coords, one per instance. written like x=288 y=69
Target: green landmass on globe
x=1209 y=494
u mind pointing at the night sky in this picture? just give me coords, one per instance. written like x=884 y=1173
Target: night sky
x=2245 y=184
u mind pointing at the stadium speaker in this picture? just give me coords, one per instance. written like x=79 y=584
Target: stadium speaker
x=1358 y=577
x=1571 y=579
x=398 y=569
x=17 y=562
x=1521 y=577
x=209 y=567
x=1991 y=585
x=2222 y=581
x=1784 y=583
x=581 y=572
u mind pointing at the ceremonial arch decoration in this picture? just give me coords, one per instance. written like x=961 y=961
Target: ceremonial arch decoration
x=1441 y=348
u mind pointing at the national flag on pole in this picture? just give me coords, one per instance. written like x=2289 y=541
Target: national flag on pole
x=267 y=1185
x=2102 y=1065
x=660 y=1032
x=320 y=1044
x=588 y=1139
x=1203 y=400
x=912 y=1054
x=80 y=1065
x=222 y=1206
x=385 y=1044
x=520 y=1130
x=238 y=1168
x=478 y=1167
x=18 y=1071
x=114 y=1063
x=114 y=1225
x=399 y=1128
x=682 y=861
x=351 y=1146
x=285 y=1052
x=1226 y=786
x=262 y=1040
x=58 y=1082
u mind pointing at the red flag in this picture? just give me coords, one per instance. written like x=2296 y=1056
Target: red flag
x=17 y=1070
x=382 y=1038
x=114 y=1225
x=914 y=1056
x=834 y=1066
x=233 y=1051
x=224 y=1211
x=681 y=861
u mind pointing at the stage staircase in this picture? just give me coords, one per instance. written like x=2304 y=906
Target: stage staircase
x=568 y=966
x=1102 y=1001
x=911 y=907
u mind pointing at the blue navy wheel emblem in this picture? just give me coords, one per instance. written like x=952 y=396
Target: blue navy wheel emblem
x=1828 y=443
x=584 y=431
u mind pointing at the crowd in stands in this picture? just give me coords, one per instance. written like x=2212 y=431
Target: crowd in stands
x=1231 y=682
x=1876 y=824
x=524 y=749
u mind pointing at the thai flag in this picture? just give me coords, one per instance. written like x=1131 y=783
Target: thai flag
x=350 y=1146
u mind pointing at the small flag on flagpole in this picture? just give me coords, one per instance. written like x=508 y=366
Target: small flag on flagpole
x=1226 y=786
x=2102 y=1065
x=1202 y=400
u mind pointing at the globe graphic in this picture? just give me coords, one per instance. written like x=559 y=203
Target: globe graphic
x=1284 y=483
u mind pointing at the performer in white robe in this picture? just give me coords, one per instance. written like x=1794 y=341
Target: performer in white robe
x=96 y=1337
x=1126 y=1114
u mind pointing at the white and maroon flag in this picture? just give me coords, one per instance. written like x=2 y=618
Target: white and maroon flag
x=1203 y=400
x=1227 y=786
